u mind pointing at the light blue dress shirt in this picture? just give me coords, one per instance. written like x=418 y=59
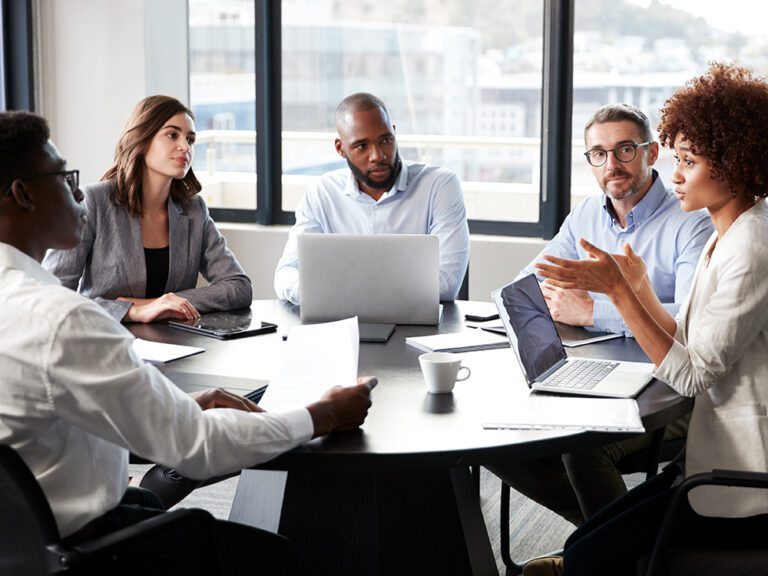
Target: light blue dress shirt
x=424 y=200
x=668 y=240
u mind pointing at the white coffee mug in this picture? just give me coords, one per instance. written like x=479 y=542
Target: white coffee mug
x=441 y=371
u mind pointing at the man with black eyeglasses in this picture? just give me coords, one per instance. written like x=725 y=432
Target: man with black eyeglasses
x=75 y=397
x=636 y=209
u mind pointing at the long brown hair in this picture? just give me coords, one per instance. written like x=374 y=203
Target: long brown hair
x=149 y=116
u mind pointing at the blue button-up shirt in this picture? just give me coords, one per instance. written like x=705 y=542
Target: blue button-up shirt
x=668 y=240
x=424 y=200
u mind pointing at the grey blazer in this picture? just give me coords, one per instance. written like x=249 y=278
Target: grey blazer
x=109 y=261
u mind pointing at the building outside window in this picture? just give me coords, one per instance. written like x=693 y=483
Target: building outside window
x=462 y=80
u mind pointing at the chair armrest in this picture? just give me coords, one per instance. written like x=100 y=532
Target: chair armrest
x=717 y=477
x=115 y=547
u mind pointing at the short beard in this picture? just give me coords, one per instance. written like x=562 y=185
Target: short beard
x=387 y=184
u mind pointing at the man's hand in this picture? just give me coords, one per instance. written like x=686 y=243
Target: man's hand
x=342 y=408
x=169 y=305
x=219 y=398
x=574 y=307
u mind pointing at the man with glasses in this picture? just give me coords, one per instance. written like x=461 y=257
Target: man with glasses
x=635 y=208
x=75 y=397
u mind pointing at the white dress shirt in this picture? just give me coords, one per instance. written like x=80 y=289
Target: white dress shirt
x=75 y=399
x=720 y=356
x=424 y=200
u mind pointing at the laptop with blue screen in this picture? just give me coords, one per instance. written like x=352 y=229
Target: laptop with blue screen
x=533 y=336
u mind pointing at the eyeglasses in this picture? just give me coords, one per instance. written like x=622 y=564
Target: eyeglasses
x=625 y=152
x=71 y=177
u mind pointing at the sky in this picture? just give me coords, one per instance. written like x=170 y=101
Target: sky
x=747 y=16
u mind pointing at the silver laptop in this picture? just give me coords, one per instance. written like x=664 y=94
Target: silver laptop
x=537 y=345
x=380 y=278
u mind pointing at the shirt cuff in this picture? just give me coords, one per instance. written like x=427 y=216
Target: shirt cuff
x=606 y=318
x=300 y=422
x=674 y=367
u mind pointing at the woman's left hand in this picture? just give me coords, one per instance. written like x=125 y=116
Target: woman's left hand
x=600 y=273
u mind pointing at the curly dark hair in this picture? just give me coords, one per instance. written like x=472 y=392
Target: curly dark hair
x=724 y=116
x=22 y=138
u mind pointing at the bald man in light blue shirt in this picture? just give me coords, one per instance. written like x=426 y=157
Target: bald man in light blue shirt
x=379 y=194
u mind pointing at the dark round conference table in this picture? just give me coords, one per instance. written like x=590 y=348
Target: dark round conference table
x=396 y=496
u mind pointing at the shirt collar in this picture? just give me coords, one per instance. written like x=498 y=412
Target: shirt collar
x=351 y=188
x=11 y=257
x=644 y=209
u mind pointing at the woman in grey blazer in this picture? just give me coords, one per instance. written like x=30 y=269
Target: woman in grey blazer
x=149 y=233
x=147 y=238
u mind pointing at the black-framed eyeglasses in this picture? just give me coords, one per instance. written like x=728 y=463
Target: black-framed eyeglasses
x=71 y=177
x=624 y=152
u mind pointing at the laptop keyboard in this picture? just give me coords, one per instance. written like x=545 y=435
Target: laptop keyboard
x=581 y=374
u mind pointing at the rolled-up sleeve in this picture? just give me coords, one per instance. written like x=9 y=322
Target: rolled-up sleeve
x=724 y=328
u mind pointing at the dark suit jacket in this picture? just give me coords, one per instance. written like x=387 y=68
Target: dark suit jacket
x=109 y=262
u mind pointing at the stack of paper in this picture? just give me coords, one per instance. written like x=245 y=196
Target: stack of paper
x=539 y=412
x=466 y=341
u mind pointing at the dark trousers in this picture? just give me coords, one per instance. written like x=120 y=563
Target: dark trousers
x=579 y=484
x=613 y=540
x=240 y=549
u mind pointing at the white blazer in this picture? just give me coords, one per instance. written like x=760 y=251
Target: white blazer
x=720 y=355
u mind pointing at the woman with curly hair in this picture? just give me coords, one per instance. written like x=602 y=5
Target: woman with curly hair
x=716 y=349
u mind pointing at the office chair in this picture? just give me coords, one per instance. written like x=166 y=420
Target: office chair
x=713 y=560
x=30 y=544
x=644 y=461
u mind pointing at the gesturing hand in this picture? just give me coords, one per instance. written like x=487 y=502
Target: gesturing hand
x=632 y=266
x=600 y=273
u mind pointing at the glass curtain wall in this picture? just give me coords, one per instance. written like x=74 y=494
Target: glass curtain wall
x=641 y=51
x=462 y=80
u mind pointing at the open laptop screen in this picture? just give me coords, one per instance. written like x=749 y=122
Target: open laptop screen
x=530 y=327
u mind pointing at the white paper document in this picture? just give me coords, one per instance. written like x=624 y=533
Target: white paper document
x=465 y=341
x=538 y=412
x=160 y=353
x=316 y=358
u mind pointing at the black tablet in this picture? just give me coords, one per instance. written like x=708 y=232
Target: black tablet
x=226 y=325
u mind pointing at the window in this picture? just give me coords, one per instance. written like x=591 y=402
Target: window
x=2 y=58
x=640 y=52
x=16 y=73
x=462 y=80
x=222 y=88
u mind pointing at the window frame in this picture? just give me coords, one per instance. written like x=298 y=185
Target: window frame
x=18 y=55
x=557 y=100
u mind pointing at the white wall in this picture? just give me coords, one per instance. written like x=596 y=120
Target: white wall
x=100 y=57
x=92 y=74
x=494 y=261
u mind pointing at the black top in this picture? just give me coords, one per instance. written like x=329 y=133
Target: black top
x=157 y=271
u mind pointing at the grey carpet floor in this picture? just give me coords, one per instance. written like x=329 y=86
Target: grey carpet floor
x=533 y=530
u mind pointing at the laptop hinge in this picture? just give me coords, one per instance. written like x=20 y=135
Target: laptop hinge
x=549 y=372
